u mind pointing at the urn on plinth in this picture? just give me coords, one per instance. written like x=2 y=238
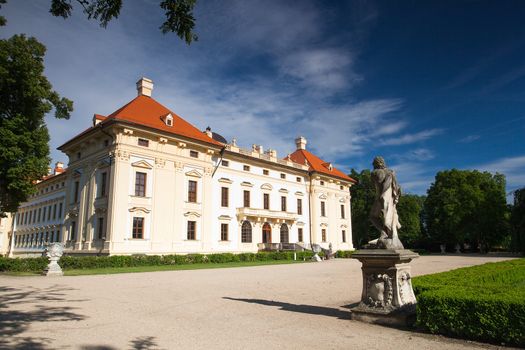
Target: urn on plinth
x=54 y=252
x=387 y=296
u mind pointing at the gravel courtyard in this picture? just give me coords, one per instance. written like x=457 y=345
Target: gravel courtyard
x=295 y=306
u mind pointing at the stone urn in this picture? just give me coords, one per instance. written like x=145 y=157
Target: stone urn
x=54 y=252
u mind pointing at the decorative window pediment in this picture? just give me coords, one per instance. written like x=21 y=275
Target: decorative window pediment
x=344 y=226
x=194 y=173
x=323 y=196
x=283 y=190
x=192 y=214
x=225 y=217
x=247 y=184
x=266 y=187
x=77 y=172
x=299 y=193
x=103 y=163
x=323 y=224
x=139 y=209
x=142 y=164
x=342 y=200
x=225 y=180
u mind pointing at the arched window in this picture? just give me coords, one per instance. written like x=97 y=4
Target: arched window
x=284 y=233
x=267 y=233
x=246 y=232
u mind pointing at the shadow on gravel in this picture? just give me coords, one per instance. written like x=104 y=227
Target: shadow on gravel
x=40 y=305
x=140 y=343
x=305 y=309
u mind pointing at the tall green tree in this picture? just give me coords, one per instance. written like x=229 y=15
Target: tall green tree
x=25 y=97
x=179 y=14
x=518 y=221
x=409 y=209
x=467 y=205
x=363 y=194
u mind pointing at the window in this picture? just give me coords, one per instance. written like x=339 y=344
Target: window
x=138 y=228
x=194 y=154
x=224 y=232
x=266 y=172
x=283 y=203
x=246 y=198
x=322 y=183
x=246 y=232
x=100 y=228
x=49 y=213
x=224 y=196
x=44 y=213
x=225 y=163
x=143 y=142
x=140 y=184
x=39 y=214
x=59 y=210
x=299 y=206
x=73 y=231
x=341 y=187
x=169 y=121
x=284 y=233
x=192 y=191
x=79 y=155
x=298 y=179
x=323 y=209
x=54 y=211
x=342 y=211
x=300 y=234
x=75 y=192
x=323 y=234
x=343 y=233
x=283 y=176
x=266 y=201
x=191 y=236
x=246 y=167
x=103 y=181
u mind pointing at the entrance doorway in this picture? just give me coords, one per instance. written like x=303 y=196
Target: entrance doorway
x=266 y=233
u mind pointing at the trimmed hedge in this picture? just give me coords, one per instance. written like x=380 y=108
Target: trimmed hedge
x=483 y=303
x=345 y=254
x=93 y=262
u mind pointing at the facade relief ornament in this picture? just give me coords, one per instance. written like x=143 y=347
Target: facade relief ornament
x=179 y=166
x=160 y=162
x=208 y=171
x=120 y=155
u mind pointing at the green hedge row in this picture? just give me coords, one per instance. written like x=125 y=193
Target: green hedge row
x=483 y=303
x=93 y=262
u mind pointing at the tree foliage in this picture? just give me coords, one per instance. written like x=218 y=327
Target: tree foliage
x=467 y=205
x=409 y=209
x=363 y=194
x=25 y=97
x=179 y=14
x=518 y=221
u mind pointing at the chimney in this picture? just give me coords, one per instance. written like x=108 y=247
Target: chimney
x=144 y=87
x=300 y=142
x=59 y=168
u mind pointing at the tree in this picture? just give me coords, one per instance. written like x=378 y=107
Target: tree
x=179 y=14
x=409 y=209
x=467 y=206
x=363 y=194
x=518 y=221
x=25 y=97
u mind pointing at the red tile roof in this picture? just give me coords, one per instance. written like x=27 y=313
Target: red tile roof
x=144 y=110
x=318 y=165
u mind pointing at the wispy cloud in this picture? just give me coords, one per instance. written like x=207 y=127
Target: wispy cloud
x=470 y=138
x=412 y=138
x=512 y=167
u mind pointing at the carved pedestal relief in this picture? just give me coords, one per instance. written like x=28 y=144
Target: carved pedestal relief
x=379 y=290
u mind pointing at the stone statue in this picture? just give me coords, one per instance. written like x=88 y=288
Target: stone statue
x=54 y=252
x=384 y=214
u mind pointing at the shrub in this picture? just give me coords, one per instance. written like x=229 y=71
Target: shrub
x=345 y=254
x=485 y=303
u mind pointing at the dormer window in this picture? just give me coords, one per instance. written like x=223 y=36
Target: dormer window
x=168 y=119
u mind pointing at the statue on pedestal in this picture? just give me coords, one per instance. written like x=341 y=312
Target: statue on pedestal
x=54 y=252
x=384 y=213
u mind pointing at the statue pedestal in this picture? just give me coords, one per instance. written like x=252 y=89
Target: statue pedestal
x=53 y=269
x=387 y=296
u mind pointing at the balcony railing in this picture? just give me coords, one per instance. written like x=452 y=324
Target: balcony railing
x=268 y=214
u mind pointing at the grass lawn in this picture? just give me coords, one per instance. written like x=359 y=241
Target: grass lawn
x=113 y=270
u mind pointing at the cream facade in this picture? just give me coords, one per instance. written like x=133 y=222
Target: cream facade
x=144 y=181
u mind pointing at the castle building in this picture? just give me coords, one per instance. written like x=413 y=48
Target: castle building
x=142 y=180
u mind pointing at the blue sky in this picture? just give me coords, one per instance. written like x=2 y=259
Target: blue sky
x=430 y=85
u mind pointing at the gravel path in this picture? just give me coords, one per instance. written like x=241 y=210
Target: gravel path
x=264 y=307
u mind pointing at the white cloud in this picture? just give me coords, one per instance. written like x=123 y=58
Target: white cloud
x=411 y=138
x=512 y=167
x=470 y=138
